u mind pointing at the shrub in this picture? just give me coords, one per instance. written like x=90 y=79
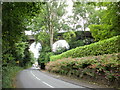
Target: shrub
x=107 y=46
x=68 y=36
x=101 y=32
x=60 y=50
x=44 y=58
x=74 y=44
x=8 y=75
x=96 y=67
x=47 y=56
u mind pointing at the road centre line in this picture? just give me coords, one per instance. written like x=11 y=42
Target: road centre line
x=41 y=80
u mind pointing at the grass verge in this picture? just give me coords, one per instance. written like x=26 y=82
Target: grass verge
x=8 y=76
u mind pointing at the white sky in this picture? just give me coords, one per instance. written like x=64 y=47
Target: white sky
x=28 y=32
x=69 y=8
x=35 y=48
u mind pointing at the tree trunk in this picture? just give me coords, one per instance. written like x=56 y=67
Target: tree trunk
x=51 y=30
x=84 y=30
x=50 y=25
x=51 y=36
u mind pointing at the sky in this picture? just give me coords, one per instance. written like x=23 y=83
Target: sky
x=35 y=48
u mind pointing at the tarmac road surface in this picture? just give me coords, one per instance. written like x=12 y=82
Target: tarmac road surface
x=33 y=78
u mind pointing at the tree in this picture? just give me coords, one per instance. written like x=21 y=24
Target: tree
x=82 y=11
x=46 y=24
x=69 y=36
x=14 y=46
x=109 y=21
x=13 y=24
x=49 y=20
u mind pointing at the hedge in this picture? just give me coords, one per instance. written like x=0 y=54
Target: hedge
x=107 y=46
x=102 y=68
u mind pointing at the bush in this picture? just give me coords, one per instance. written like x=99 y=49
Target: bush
x=47 y=56
x=44 y=58
x=68 y=36
x=8 y=75
x=43 y=53
x=60 y=50
x=105 y=67
x=101 y=32
x=107 y=46
x=74 y=44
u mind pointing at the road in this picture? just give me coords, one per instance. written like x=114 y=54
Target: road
x=32 y=78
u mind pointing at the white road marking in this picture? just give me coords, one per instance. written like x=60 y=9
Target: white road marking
x=35 y=76
x=48 y=84
x=42 y=81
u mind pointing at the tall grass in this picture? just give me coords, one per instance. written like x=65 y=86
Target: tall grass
x=8 y=76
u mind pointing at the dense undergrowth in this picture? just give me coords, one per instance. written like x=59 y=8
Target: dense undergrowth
x=108 y=46
x=9 y=74
x=102 y=68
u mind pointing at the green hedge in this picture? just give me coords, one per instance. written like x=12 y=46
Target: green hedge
x=103 y=67
x=108 y=46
